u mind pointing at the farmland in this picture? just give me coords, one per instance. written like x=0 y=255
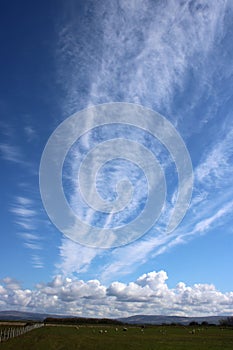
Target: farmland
x=87 y=337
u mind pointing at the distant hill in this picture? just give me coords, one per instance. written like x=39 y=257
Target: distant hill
x=58 y=319
x=23 y=316
x=160 y=319
x=137 y=319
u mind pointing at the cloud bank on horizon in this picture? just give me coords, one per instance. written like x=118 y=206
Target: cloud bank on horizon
x=147 y=295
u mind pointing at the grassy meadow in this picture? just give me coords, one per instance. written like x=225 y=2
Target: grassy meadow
x=151 y=338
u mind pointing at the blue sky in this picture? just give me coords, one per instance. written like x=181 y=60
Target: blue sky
x=60 y=57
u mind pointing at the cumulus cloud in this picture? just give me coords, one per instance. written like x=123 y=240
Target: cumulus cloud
x=149 y=294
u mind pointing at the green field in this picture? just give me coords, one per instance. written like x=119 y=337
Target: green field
x=151 y=338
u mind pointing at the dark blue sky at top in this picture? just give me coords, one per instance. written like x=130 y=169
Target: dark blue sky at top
x=28 y=87
x=27 y=93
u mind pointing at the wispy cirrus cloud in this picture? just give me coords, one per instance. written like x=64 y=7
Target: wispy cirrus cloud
x=30 y=132
x=147 y=53
x=207 y=211
x=216 y=165
x=14 y=154
x=75 y=258
x=26 y=217
x=11 y=153
x=206 y=216
x=142 y=53
x=37 y=261
x=205 y=224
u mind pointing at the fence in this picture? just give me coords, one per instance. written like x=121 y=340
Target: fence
x=12 y=332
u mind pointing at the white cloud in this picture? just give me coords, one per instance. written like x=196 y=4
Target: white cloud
x=23 y=201
x=146 y=51
x=30 y=133
x=29 y=236
x=75 y=257
x=23 y=212
x=33 y=246
x=26 y=217
x=11 y=283
x=37 y=261
x=26 y=223
x=206 y=223
x=208 y=210
x=216 y=165
x=126 y=259
x=11 y=153
x=138 y=53
x=149 y=294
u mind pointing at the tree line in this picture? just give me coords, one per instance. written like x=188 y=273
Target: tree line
x=81 y=320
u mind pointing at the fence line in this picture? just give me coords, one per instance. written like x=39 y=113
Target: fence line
x=12 y=332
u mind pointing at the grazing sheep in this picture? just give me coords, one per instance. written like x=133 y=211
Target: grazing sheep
x=116 y=329
x=125 y=329
x=101 y=331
